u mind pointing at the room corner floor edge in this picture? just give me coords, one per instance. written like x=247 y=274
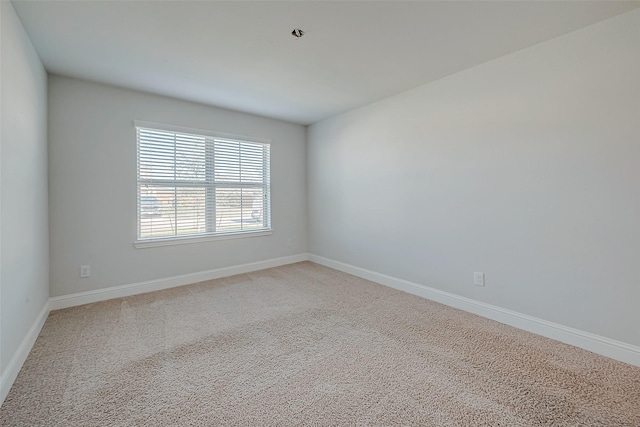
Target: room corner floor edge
x=12 y=370
x=603 y=346
x=613 y=349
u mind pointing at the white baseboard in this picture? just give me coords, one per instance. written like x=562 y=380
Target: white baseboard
x=72 y=300
x=15 y=364
x=607 y=347
x=601 y=345
x=11 y=372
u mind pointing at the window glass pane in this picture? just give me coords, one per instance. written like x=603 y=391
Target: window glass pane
x=239 y=209
x=239 y=161
x=190 y=211
x=190 y=157
x=156 y=157
x=252 y=163
x=157 y=217
x=227 y=161
x=259 y=208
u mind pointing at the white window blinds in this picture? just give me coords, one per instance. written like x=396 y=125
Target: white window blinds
x=195 y=185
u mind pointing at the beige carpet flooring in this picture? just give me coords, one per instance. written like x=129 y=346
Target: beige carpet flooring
x=306 y=345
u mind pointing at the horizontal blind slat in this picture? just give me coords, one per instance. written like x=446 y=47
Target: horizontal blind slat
x=197 y=185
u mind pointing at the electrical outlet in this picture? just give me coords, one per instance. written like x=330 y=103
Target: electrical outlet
x=85 y=271
x=478 y=279
x=289 y=243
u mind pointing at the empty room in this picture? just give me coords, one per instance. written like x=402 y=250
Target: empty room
x=283 y=213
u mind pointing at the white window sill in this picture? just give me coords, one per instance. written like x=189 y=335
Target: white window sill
x=170 y=241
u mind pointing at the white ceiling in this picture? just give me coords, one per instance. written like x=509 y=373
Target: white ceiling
x=241 y=55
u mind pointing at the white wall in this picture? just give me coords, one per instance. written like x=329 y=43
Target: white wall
x=24 y=241
x=525 y=168
x=92 y=182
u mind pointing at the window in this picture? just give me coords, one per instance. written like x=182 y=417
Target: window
x=197 y=184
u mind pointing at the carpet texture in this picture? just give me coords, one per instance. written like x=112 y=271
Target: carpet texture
x=306 y=345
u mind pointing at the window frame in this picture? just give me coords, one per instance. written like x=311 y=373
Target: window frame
x=206 y=236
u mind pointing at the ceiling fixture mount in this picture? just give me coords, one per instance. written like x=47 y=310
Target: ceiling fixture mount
x=297 y=33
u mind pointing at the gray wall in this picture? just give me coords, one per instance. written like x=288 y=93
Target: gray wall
x=525 y=168
x=92 y=182
x=24 y=239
